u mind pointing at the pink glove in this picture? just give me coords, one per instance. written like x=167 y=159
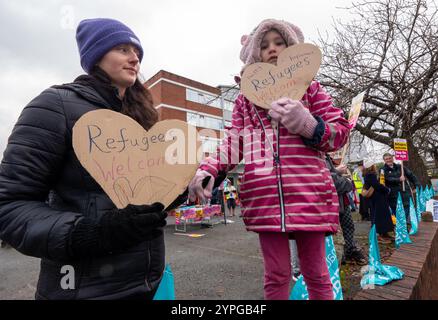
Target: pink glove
x=294 y=116
x=196 y=189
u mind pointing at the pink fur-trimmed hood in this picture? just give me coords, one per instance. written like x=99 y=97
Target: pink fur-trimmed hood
x=250 y=52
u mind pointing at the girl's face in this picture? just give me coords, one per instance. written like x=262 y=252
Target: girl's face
x=122 y=64
x=272 y=45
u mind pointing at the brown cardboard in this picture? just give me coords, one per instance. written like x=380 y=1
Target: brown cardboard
x=356 y=107
x=263 y=83
x=133 y=165
x=353 y=116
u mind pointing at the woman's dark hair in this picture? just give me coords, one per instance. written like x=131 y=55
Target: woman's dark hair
x=371 y=169
x=137 y=102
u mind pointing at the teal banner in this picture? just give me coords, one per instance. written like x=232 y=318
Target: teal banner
x=401 y=229
x=377 y=273
x=166 y=289
x=299 y=291
x=417 y=200
x=429 y=193
x=422 y=200
x=413 y=217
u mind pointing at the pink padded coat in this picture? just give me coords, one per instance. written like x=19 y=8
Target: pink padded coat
x=286 y=185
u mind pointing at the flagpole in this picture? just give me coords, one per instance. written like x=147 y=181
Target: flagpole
x=344 y=151
x=403 y=175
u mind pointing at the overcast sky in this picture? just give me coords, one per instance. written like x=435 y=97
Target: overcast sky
x=199 y=40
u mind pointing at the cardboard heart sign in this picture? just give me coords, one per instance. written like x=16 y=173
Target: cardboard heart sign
x=263 y=83
x=133 y=165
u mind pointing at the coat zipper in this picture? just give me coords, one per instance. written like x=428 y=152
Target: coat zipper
x=277 y=169
x=279 y=181
x=149 y=267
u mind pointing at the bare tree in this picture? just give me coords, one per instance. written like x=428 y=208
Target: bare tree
x=390 y=51
x=428 y=140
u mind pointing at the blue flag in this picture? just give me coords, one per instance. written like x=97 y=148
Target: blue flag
x=299 y=291
x=422 y=200
x=413 y=216
x=430 y=193
x=401 y=229
x=166 y=289
x=377 y=273
x=417 y=200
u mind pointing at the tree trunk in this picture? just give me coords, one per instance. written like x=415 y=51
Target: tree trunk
x=435 y=157
x=416 y=164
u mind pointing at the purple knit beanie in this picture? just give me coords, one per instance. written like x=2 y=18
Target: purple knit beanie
x=95 y=37
x=250 y=52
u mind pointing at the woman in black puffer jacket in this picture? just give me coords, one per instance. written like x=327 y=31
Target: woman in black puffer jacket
x=51 y=208
x=380 y=211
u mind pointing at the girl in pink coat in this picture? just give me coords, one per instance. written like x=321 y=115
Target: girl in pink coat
x=293 y=197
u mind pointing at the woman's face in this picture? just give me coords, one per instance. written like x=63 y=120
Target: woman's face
x=389 y=160
x=271 y=47
x=122 y=64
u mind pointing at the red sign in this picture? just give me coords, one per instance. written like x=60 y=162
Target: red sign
x=401 y=156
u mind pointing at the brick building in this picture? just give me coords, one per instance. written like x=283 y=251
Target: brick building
x=201 y=105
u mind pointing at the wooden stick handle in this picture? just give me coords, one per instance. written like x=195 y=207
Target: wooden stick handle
x=344 y=150
x=403 y=174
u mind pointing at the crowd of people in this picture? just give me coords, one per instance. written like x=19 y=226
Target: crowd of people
x=378 y=191
x=51 y=208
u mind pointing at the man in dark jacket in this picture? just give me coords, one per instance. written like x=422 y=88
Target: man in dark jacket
x=352 y=253
x=394 y=180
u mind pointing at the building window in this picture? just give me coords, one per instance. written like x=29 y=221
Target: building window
x=203 y=98
x=198 y=120
x=210 y=145
x=228 y=115
x=228 y=105
x=192 y=119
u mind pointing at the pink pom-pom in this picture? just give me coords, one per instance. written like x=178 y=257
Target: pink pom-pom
x=244 y=39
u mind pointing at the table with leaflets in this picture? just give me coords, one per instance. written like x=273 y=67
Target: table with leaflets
x=195 y=214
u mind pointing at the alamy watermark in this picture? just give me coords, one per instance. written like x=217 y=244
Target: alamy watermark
x=68 y=280
x=253 y=146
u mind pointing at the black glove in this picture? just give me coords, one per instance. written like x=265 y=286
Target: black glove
x=182 y=198
x=117 y=230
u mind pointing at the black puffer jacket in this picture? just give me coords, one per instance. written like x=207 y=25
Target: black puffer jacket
x=342 y=184
x=39 y=160
x=392 y=181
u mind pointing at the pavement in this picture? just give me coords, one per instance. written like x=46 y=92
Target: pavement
x=222 y=262
x=18 y=275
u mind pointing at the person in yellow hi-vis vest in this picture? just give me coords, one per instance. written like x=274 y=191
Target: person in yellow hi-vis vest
x=358 y=183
